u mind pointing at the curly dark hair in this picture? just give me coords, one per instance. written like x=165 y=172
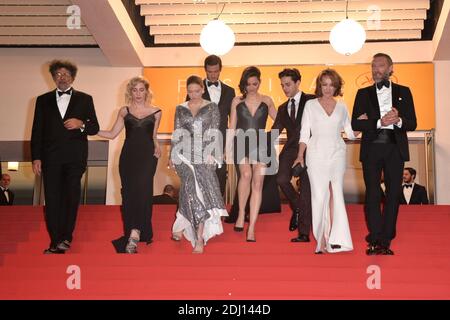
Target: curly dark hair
x=248 y=73
x=58 y=64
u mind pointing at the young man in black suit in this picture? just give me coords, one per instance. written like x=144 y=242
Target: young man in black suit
x=63 y=119
x=413 y=193
x=6 y=195
x=222 y=94
x=289 y=117
x=390 y=113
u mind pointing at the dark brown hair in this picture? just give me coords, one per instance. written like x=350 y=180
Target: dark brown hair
x=248 y=73
x=293 y=73
x=194 y=79
x=213 y=60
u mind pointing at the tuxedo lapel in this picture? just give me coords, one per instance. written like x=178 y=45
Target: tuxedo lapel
x=206 y=93
x=374 y=99
x=414 y=191
x=222 y=92
x=301 y=106
x=72 y=103
x=395 y=96
x=54 y=105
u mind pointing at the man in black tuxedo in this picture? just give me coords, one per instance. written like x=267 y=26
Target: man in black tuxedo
x=222 y=94
x=63 y=119
x=6 y=195
x=389 y=109
x=289 y=117
x=168 y=196
x=413 y=193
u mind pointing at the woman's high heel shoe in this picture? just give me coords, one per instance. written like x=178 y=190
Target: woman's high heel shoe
x=238 y=229
x=250 y=240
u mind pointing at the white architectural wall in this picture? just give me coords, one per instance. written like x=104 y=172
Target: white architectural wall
x=442 y=97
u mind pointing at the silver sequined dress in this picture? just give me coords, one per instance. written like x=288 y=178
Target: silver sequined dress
x=196 y=142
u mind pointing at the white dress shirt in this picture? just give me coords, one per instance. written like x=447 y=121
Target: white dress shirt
x=297 y=103
x=384 y=96
x=214 y=92
x=63 y=101
x=407 y=192
x=5 y=193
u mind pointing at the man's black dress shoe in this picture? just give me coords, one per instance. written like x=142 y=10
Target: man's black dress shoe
x=64 y=245
x=301 y=238
x=372 y=249
x=385 y=251
x=54 y=251
x=293 y=224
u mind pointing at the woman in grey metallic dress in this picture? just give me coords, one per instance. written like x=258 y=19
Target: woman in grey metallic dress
x=196 y=149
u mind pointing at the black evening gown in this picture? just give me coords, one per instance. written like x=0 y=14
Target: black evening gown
x=137 y=168
x=245 y=121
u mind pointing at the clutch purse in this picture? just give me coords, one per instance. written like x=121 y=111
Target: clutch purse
x=298 y=170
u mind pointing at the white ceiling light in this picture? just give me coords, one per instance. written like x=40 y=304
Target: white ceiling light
x=216 y=37
x=348 y=36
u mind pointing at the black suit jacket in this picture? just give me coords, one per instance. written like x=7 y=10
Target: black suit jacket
x=366 y=101
x=283 y=121
x=226 y=98
x=418 y=195
x=51 y=142
x=3 y=201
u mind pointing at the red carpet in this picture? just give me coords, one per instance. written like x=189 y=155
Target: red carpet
x=271 y=268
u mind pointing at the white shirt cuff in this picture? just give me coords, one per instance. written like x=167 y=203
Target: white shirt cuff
x=400 y=123
x=379 y=124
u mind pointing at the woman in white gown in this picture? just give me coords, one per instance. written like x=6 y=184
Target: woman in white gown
x=322 y=123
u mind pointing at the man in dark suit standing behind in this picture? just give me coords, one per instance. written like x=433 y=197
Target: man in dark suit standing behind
x=413 y=193
x=63 y=119
x=289 y=117
x=6 y=195
x=222 y=94
x=389 y=109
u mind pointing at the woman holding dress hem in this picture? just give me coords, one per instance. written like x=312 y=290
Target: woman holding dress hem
x=201 y=205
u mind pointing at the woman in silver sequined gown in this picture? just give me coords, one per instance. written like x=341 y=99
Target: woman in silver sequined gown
x=196 y=148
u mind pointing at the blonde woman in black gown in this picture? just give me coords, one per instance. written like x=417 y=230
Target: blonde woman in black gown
x=137 y=165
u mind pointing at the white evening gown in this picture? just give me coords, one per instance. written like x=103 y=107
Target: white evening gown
x=326 y=161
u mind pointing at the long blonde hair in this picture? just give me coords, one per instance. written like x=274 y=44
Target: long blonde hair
x=132 y=83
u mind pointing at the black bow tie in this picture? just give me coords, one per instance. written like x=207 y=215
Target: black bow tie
x=215 y=83
x=60 y=93
x=407 y=186
x=383 y=83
